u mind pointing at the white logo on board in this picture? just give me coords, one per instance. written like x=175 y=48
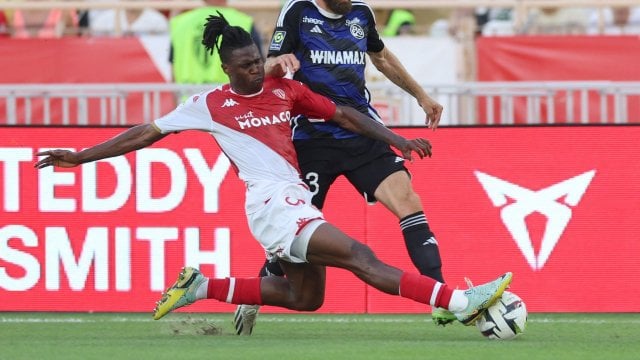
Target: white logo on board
x=554 y=202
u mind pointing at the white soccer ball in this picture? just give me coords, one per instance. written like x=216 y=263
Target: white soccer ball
x=505 y=319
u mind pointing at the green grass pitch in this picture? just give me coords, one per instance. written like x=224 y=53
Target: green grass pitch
x=184 y=336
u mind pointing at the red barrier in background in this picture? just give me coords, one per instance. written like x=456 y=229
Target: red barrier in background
x=74 y=61
x=560 y=58
x=519 y=58
x=558 y=206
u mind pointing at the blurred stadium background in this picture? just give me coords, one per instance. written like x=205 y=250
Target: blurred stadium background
x=535 y=168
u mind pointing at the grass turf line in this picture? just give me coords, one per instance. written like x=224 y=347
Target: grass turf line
x=308 y=336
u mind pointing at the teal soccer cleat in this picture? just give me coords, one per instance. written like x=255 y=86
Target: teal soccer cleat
x=481 y=297
x=181 y=293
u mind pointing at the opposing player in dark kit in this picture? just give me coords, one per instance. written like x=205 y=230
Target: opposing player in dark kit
x=329 y=41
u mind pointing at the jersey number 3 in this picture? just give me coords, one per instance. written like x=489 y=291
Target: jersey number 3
x=312 y=181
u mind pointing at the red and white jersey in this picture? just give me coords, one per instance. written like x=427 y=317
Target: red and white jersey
x=254 y=131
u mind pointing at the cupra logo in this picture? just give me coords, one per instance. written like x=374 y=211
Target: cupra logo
x=554 y=202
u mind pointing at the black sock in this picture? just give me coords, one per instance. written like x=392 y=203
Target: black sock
x=271 y=269
x=422 y=245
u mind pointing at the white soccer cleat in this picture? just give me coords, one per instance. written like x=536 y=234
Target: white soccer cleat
x=245 y=318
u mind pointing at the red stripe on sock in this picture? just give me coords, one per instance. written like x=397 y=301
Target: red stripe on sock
x=416 y=287
x=247 y=291
x=218 y=289
x=420 y=288
x=444 y=297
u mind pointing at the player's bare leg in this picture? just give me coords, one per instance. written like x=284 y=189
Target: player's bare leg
x=331 y=247
x=396 y=194
x=303 y=288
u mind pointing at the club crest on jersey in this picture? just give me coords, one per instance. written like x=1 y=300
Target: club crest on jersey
x=249 y=120
x=279 y=93
x=357 y=31
x=277 y=40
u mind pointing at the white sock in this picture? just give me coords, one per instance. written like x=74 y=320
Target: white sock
x=458 y=301
x=201 y=293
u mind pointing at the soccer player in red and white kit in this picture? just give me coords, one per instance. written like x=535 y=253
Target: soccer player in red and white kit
x=249 y=119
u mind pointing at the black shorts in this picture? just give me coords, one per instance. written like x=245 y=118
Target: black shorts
x=364 y=162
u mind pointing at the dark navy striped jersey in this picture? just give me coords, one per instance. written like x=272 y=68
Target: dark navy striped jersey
x=332 y=53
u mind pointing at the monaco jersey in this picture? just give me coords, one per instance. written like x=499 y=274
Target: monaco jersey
x=332 y=53
x=252 y=130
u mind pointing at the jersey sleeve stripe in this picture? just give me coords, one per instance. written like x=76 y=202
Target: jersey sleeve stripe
x=285 y=9
x=362 y=3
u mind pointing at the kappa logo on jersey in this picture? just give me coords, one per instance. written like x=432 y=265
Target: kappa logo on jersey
x=249 y=120
x=554 y=202
x=280 y=93
x=337 y=57
x=316 y=29
x=230 y=103
x=277 y=40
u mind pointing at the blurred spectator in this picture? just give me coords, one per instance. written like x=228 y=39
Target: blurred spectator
x=127 y=22
x=400 y=22
x=4 y=26
x=191 y=64
x=494 y=21
x=557 y=21
x=615 y=21
x=53 y=23
x=440 y=28
x=83 y=21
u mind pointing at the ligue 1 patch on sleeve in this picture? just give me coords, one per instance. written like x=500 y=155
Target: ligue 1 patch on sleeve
x=277 y=40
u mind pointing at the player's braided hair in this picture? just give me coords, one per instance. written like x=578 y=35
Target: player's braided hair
x=233 y=37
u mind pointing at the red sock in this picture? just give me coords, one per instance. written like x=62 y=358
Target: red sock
x=236 y=290
x=425 y=290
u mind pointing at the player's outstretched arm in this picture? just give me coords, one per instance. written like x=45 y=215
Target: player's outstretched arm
x=351 y=119
x=388 y=64
x=135 y=138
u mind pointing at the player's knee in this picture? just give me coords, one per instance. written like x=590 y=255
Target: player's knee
x=403 y=202
x=363 y=259
x=409 y=198
x=313 y=304
x=310 y=302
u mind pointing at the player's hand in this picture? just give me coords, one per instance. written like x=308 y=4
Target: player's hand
x=59 y=158
x=433 y=111
x=281 y=65
x=420 y=146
